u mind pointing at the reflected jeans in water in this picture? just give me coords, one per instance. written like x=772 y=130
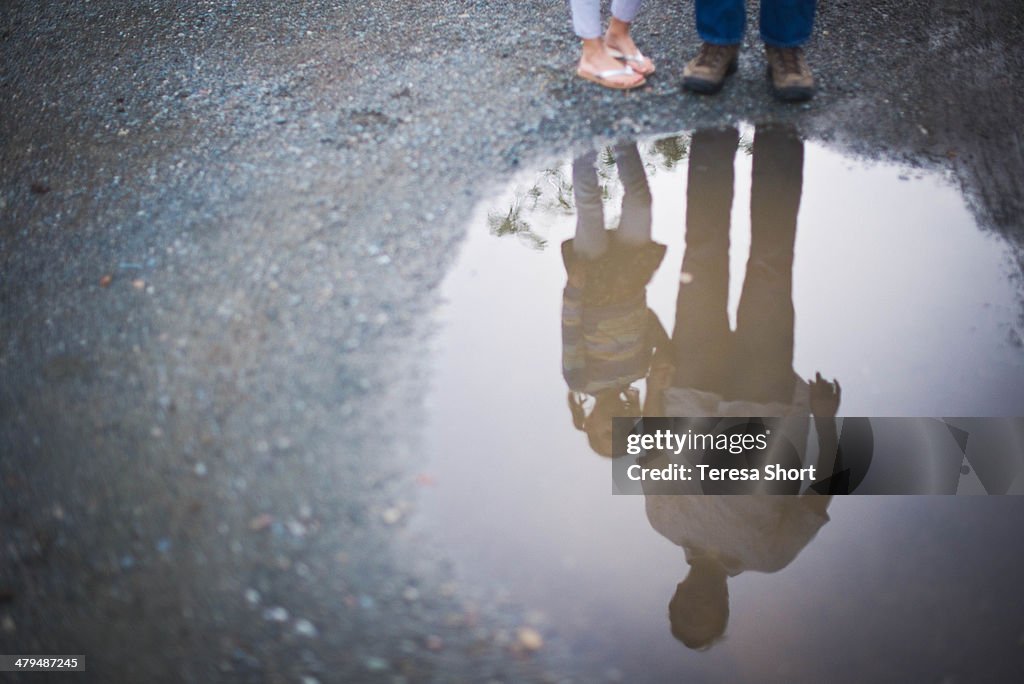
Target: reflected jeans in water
x=784 y=23
x=754 y=362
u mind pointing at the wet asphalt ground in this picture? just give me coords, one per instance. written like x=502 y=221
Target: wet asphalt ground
x=222 y=228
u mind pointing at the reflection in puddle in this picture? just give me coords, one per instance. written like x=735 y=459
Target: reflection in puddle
x=796 y=260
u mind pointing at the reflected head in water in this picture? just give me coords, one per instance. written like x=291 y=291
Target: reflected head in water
x=699 y=610
x=609 y=335
x=723 y=536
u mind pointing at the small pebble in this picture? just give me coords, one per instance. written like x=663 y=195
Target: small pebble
x=530 y=639
x=275 y=614
x=375 y=664
x=261 y=522
x=391 y=515
x=252 y=597
x=304 y=627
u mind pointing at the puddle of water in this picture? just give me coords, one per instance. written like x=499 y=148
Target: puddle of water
x=896 y=293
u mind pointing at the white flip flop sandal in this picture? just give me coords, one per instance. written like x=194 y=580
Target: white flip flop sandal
x=636 y=58
x=601 y=77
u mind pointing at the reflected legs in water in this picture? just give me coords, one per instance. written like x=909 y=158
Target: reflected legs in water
x=755 y=362
x=591 y=240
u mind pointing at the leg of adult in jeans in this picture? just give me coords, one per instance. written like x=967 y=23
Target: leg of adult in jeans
x=786 y=23
x=721 y=22
x=701 y=337
x=765 y=319
x=635 y=224
x=591 y=239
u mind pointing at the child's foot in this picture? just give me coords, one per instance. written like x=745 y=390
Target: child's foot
x=621 y=46
x=600 y=67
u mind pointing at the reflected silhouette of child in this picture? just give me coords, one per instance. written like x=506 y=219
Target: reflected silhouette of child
x=609 y=335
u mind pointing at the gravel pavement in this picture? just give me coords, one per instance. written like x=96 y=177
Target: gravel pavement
x=222 y=228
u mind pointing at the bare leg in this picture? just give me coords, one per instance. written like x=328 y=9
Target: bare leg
x=618 y=38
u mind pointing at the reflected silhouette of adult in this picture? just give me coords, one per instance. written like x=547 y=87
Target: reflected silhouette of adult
x=746 y=372
x=609 y=335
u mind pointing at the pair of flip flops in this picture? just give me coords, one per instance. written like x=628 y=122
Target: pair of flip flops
x=644 y=67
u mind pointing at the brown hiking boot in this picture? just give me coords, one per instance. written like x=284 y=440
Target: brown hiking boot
x=706 y=72
x=791 y=77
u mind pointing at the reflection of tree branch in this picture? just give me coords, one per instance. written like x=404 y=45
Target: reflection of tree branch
x=562 y=188
x=512 y=223
x=672 y=150
x=747 y=145
x=552 y=191
x=535 y=194
x=607 y=159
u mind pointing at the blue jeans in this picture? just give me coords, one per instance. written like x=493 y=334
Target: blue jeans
x=784 y=23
